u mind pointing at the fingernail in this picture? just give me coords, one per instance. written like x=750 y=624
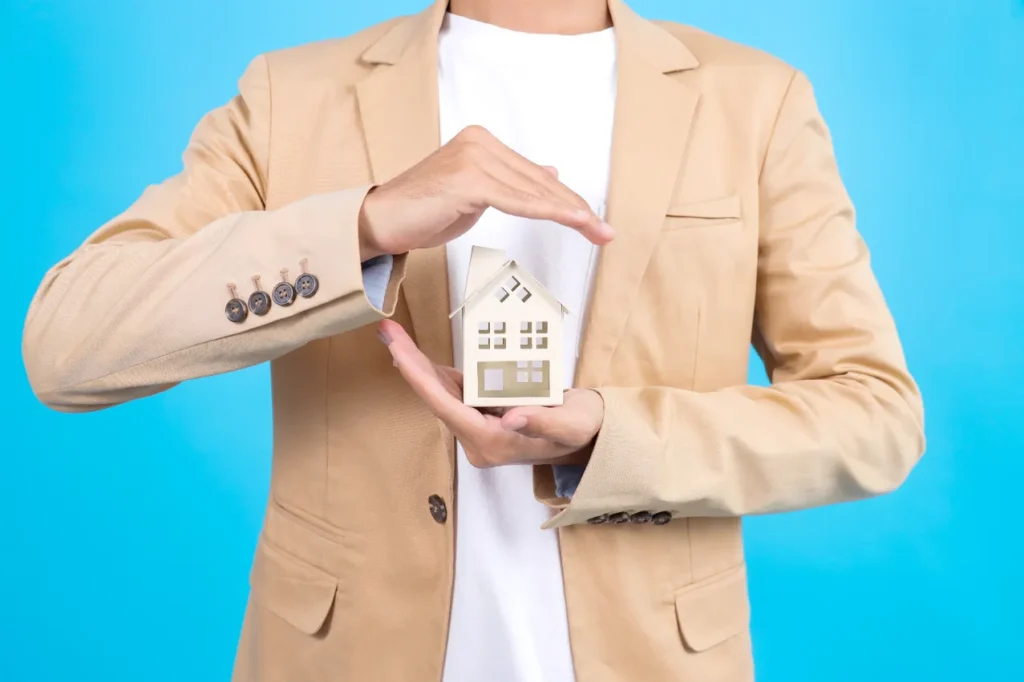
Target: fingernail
x=608 y=230
x=514 y=423
x=384 y=338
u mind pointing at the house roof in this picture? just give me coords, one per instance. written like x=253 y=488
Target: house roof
x=500 y=273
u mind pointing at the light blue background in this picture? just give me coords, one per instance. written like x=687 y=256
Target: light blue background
x=126 y=535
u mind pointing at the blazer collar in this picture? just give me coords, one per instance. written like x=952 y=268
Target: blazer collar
x=636 y=35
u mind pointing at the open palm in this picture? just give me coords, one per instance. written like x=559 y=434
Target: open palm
x=521 y=435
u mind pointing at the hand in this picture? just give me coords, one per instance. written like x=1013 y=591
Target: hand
x=520 y=435
x=445 y=194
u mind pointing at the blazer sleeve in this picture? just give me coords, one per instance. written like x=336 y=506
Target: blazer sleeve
x=842 y=419
x=140 y=305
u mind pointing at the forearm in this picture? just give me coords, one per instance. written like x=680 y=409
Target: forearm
x=127 y=317
x=748 y=449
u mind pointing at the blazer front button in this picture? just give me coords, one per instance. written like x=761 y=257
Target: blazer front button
x=236 y=310
x=438 y=509
x=620 y=517
x=641 y=517
x=661 y=518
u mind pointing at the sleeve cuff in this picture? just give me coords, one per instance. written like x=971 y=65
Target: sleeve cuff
x=376 y=276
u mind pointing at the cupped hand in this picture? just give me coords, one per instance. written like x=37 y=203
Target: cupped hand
x=444 y=195
x=521 y=435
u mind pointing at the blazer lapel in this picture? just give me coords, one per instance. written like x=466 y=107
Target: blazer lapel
x=653 y=115
x=399 y=112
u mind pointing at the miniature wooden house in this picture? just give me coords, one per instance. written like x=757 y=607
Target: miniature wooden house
x=511 y=335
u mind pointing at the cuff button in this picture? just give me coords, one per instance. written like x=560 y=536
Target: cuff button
x=641 y=517
x=236 y=310
x=307 y=285
x=259 y=303
x=284 y=294
x=620 y=517
x=661 y=518
x=597 y=520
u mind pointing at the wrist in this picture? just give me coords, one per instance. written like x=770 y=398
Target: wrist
x=369 y=246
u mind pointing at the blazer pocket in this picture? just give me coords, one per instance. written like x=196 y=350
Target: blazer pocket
x=714 y=610
x=722 y=211
x=300 y=594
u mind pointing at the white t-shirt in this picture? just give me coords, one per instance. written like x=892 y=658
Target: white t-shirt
x=551 y=98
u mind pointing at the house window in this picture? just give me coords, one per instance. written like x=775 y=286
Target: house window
x=514 y=379
x=494 y=380
x=525 y=327
x=530 y=372
x=542 y=342
x=512 y=283
x=542 y=327
x=525 y=342
x=486 y=328
x=500 y=294
x=524 y=294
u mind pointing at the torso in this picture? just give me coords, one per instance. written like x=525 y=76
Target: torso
x=551 y=99
x=354 y=576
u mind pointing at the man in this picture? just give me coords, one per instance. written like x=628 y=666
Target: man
x=332 y=205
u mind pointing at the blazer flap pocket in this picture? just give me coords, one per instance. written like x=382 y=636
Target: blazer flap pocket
x=300 y=594
x=724 y=208
x=713 y=610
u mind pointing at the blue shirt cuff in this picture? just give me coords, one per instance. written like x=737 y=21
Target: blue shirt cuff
x=567 y=478
x=376 y=275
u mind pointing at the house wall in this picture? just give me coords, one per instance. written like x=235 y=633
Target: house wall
x=540 y=307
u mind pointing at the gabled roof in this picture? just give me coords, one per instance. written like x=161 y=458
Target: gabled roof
x=506 y=267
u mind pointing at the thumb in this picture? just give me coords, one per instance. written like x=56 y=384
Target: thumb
x=555 y=424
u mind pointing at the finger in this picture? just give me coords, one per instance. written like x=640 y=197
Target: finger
x=451 y=376
x=515 y=179
x=547 y=179
x=557 y=424
x=525 y=180
x=419 y=372
x=518 y=202
x=536 y=172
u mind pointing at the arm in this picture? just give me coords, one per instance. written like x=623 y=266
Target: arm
x=140 y=306
x=842 y=420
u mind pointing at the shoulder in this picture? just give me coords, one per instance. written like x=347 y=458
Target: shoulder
x=337 y=60
x=739 y=77
x=723 y=56
x=727 y=66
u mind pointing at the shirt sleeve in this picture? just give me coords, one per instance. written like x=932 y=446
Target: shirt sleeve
x=376 y=275
x=567 y=478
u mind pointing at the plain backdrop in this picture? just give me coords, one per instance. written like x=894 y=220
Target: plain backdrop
x=126 y=535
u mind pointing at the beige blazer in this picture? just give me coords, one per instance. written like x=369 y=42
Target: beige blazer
x=733 y=224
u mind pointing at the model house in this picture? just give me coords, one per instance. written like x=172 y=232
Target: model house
x=511 y=335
